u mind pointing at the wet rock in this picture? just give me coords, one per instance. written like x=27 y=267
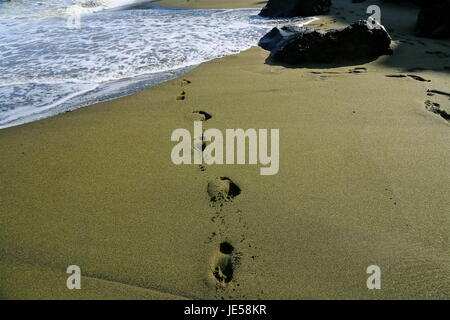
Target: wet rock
x=295 y=8
x=293 y=45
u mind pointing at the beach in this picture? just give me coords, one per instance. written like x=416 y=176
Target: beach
x=363 y=181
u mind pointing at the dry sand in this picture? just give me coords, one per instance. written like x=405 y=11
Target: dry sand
x=363 y=180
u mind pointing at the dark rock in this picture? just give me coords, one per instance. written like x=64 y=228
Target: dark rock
x=434 y=19
x=293 y=45
x=295 y=8
x=276 y=35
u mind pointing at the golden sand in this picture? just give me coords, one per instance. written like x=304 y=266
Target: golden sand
x=363 y=180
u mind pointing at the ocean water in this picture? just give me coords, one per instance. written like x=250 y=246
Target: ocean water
x=51 y=61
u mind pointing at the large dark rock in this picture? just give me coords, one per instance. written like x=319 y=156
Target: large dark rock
x=295 y=8
x=434 y=19
x=294 y=45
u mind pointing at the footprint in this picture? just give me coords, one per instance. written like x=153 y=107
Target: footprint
x=201 y=115
x=354 y=70
x=185 y=82
x=200 y=143
x=223 y=189
x=439 y=92
x=412 y=76
x=198 y=115
x=418 y=78
x=395 y=76
x=182 y=96
x=223 y=263
x=358 y=70
x=328 y=72
x=436 y=108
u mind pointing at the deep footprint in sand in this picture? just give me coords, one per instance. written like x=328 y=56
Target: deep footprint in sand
x=329 y=72
x=353 y=71
x=181 y=96
x=223 y=268
x=442 y=93
x=418 y=78
x=185 y=82
x=198 y=115
x=395 y=76
x=358 y=70
x=412 y=76
x=200 y=144
x=222 y=189
x=437 y=109
x=201 y=115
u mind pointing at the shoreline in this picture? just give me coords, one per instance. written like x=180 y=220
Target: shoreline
x=98 y=92
x=362 y=181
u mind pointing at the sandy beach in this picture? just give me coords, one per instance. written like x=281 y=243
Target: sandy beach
x=363 y=180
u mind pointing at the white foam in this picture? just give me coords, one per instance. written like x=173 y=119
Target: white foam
x=45 y=68
x=92 y=6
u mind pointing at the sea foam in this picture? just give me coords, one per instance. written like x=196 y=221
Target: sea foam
x=47 y=68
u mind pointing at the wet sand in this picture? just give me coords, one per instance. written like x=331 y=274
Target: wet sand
x=363 y=181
